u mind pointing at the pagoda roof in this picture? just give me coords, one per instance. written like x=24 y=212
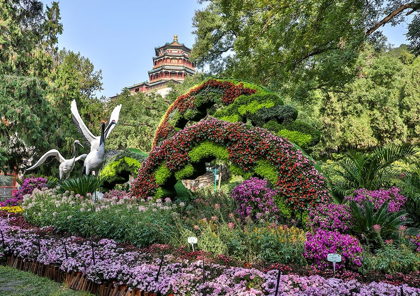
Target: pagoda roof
x=181 y=55
x=173 y=44
x=172 y=68
x=164 y=81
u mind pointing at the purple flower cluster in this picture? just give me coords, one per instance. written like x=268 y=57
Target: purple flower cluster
x=330 y=217
x=256 y=200
x=106 y=262
x=416 y=240
x=28 y=186
x=323 y=242
x=378 y=197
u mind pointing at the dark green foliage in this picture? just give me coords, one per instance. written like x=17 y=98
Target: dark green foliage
x=25 y=112
x=364 y=217
x=280 y=113
x=371 y=170
x=82 y=185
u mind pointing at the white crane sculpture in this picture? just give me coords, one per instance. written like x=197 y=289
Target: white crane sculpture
x=66 y=165
x=95 y=158
x=91 y=140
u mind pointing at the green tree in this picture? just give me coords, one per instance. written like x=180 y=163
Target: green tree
x=139 y=117
x=28 y=122
x=26 y=31
x=291 y=45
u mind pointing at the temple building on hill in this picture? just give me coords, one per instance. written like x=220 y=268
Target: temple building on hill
x=171 y=64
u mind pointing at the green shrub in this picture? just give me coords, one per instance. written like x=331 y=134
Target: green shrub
x=391 y=259
x=208 y=149
x=297 y=126
x=118 y=171
x=303 y=140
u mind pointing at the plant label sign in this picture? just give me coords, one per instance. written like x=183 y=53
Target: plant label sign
x=192 y=240
x=334 y=257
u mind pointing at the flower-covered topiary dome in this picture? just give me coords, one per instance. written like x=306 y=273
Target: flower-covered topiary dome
x=236 y=101
x=252 y=152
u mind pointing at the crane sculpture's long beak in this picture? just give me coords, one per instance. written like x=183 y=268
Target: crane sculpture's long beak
x=80 y=144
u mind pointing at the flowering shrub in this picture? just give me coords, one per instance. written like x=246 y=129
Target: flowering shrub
x=256 y=200
x=298 y=182
x=28 y=186
x=116 y=193
x=323 y=242
x=378 y=197
x=330 y=217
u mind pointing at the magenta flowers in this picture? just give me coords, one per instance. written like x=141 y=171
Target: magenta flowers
x=323 y=242
x=256 y=200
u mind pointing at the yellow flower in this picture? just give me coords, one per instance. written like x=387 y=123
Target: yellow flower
x=16 y=209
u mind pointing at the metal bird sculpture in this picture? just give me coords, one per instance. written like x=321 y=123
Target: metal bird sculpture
x=91 y=140
x=66 y=165
x=95 y=158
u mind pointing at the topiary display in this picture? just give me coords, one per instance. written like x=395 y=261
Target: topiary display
x=235 y=101
x=252 y=152
x=118 y=168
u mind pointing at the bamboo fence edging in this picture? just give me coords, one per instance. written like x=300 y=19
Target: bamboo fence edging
x=74 y=280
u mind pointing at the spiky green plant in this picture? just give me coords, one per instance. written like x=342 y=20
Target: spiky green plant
x=82 y=185
x=364 y=217
x=371 y=170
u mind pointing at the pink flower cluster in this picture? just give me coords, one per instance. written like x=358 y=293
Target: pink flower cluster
x=323 y=242
x=330 y=217
x=378 y=197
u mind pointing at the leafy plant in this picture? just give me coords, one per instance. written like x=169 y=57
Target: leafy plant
x=373 y=226
x=371 y=170
x=391 y=259
x=82 y=185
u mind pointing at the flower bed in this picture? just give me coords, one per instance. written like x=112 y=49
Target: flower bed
x=252 y=151
x=103 y=262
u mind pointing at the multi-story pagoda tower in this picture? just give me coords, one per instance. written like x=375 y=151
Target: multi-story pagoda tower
x=171 y=64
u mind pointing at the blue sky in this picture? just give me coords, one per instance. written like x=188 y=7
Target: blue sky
x=119 y=37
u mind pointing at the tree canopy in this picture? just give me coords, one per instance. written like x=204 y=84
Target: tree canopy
x=294 y=45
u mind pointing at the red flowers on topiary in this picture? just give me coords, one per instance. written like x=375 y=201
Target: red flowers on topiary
x=298 y=183
x=186 y=101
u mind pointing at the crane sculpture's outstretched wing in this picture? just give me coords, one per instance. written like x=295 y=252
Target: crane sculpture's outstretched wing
x=81 y=157
x=114 y=117
x=52 y=152
x=83 y=130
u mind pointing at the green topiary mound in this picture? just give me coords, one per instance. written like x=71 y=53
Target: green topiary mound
x=118 y=168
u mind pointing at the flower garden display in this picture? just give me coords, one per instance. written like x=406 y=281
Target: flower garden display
x=236 y=101
x=103 y=263
x=252 y=151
